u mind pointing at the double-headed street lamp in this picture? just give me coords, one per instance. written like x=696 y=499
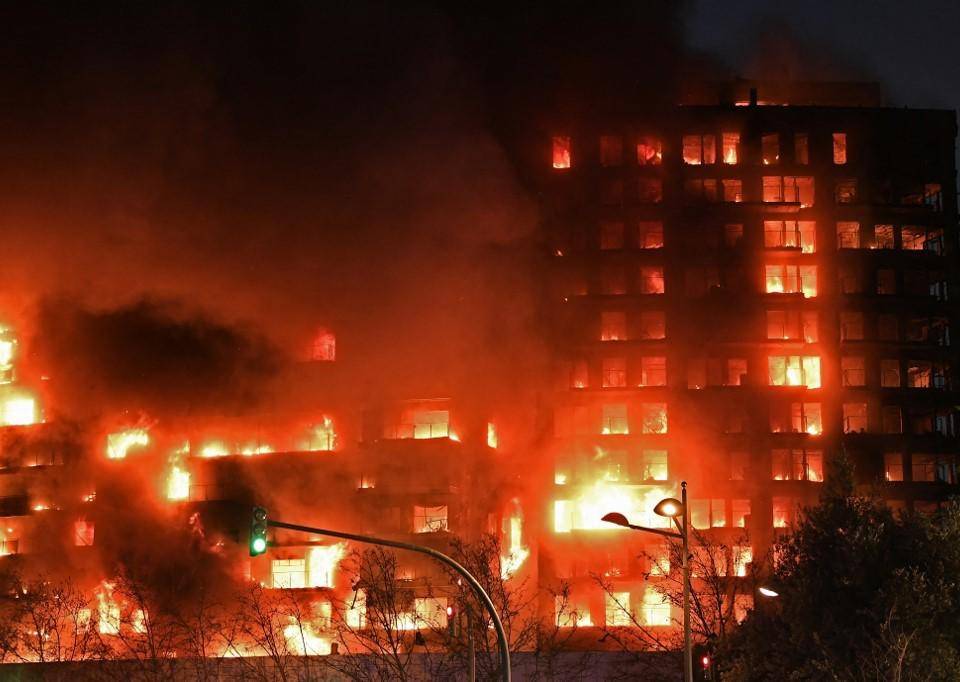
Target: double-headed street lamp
x=672 y=508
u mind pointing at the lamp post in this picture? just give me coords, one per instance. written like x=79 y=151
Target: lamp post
x=672 y=508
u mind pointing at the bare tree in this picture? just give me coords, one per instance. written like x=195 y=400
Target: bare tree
x=721 y=590
x=49 y=621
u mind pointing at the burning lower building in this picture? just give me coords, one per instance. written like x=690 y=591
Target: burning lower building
x=737 y=294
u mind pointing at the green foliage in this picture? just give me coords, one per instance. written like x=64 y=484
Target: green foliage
x=863 y=595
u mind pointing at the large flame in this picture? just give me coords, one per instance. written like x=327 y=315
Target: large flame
x=178 y=483
x=120 y=443
x=322 y=563
x=636 y=502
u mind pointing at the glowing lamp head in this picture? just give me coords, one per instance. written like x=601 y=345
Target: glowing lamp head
x=617 y=519
x=767 y=592
x=669 y=507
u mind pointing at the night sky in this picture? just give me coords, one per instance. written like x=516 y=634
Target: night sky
x=910 y=47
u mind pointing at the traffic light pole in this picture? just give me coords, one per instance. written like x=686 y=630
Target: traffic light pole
x=439 y=556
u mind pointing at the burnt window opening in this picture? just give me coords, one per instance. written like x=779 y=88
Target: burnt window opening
x=797 y=465
x=732 y=235
x=651 y=279
x=732 y=190
x=611 y=235
x=801 y=149
x=893 y=466
x=791 y=279
x=794 y=189
x=851 y=326
x=611 y=150
x=883 y=237
x=839 y=148
x=846 y=191
x=649 y=190
x=770 y=149
x=848 y=235
x=889 y=373
x=701 y=190
x=613 y=326
x=614 y=372
x=853 y=371
x=653 y=325
x=792 y=325
x=854 y=417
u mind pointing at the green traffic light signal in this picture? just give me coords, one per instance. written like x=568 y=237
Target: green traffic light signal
x=258 y=532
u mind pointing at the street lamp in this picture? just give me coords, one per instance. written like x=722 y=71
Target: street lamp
x=672 y=508
x=767 y=592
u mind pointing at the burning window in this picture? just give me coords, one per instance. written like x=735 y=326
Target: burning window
x=912 y=238
x=611 y=192
x=788 y=189
x=650 y=234
x=918 y=374
x=699 y=149
x=614 y=372
x=613 y=280
x=806 y=418
x=322 y=564
x=613 y=326
x=801 y=149
x=653 y=371
x=611 y=235
x=731 y=145
x=651 y=279
x=649 y=151
x=652 y=325
x=790 y=234
x=883 y=236
x=886 y=281
x=839 y=148
x=783 y=512
x=846 y=191
x=848 y=235
x=649 y=190
x=615 y=420
x=770 y=149
x=611 y=150
x=794 y=370
x=708 y=513
x=617 y=609
x=18 y=409
x=430 y=519
x=797 y=465
x=791 y=279
x=120 y=443
x=732 y=234
x=579 y=375
x=732 y=190
x=893 y=466
x=741 y=512
x=324 y=346
x=561 y=151
x=853 y=371
x=654 y=417
x=656 y=608
x=422 y=424
x=83 y=533
x=699 y=189
x=653 y=465
x=854 y=417
x=736 y=372
x=562 y=516
x=493 y=436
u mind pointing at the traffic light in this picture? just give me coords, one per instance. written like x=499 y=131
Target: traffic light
x=258 y=532
x=706 y=664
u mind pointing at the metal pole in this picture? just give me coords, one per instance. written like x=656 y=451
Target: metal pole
x=471 y=651
x=439 y=556
x=685 y=532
